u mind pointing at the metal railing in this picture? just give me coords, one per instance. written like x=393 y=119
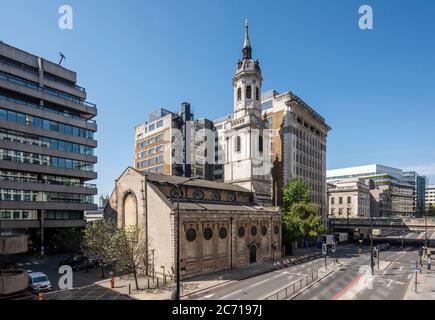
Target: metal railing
x=294 y=287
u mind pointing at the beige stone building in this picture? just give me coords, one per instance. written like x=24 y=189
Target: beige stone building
x=349 y=199
x=220 y=225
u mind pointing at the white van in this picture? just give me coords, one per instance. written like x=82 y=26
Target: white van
x=38 y=281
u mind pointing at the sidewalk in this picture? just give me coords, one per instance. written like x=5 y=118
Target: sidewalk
x=425 y=286
x=203 y=282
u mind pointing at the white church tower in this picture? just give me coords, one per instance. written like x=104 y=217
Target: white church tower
x=246 y=139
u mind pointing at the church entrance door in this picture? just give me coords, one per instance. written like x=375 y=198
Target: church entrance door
x=253 y=254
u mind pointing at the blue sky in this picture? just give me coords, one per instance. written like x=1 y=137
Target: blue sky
x=376 y=88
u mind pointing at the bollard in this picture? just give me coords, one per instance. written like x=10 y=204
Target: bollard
x=157 y=278
x=148 y=283
x=164 y=279
x=129 y=288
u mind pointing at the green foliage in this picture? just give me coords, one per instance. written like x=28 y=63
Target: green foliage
x=296 y=190
x=300 y=217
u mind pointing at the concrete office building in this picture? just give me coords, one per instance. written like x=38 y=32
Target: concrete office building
x=419 y=190
x=175 y=144
x=46 y=147
x=298 y=140
x=393 y=192
x=430 y=199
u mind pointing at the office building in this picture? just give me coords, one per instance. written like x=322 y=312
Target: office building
x=430 y=199
x=349 y=199
x=46 y=147
x=391 y=189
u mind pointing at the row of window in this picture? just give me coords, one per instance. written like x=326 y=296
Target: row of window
x=22 y=176
x=340 y=200
x=248 y=93
x=150 y=161
x=208 y=232
x=33 y=215
x=149 y=141
x=25 y=138
x=46 y=107
x=157 y=169
x=44 y=160
x=35 y=86
x=41 y=196
x=151 y=151
x=41 y=123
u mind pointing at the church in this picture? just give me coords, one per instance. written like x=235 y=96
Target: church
x=221 y=226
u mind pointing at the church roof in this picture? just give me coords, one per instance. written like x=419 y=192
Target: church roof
x=161 y=178
x=226 y=207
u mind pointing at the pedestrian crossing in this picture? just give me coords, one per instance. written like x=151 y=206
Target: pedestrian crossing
x=27 y=263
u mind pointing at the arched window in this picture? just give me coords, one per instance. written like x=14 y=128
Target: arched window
x=238 y=144
x=257 y=94
x=248 y=92
x=239 y=94
x=260 y=143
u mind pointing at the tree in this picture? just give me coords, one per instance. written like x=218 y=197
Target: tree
x=97 y=241
x=128 y=249
x=300 y=217
x=296 y=190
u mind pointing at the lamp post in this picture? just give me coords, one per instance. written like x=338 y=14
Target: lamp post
x=371 y=245
x=178 y=272
x=425 y=230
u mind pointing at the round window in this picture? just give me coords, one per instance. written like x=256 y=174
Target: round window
x=241 y=232
x=175 y=192
x=276 y=230
x=253 y=230
x=216 y=196
x=263 y=230
x=223 y=233
x=191 y=235
x=208 y=233
x=198 y=194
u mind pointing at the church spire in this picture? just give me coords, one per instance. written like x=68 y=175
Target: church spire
x=246 y=45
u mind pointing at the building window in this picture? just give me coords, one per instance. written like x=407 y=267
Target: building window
x=191 y=235
x=349 y=200
x=241 y=232
x=239 y=94
x=332 y=200
x=208 y=234
x=276 y=230
x=257 y=94
x=238 y=144
x=248 y=92
x=253 y=230
x=340 y=200
x=223 y=233
x=260 y=143
x=216 y=196
x=340 y=212
x=264 y=230
x=198 y=194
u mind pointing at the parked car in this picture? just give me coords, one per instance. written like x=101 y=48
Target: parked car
x=79 y=261
x=38 y=282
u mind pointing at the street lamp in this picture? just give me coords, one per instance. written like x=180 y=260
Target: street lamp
x=425 y=230
x=178 y=273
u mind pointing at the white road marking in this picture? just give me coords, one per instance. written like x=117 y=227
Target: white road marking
x=230 y=294
x=19 y=264
x=28 y=264
x=207 y=296
x=409 y=276
x=35 y=262
x=258 y=283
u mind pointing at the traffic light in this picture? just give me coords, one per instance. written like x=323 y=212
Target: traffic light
x=375 y=253
x=333 y=247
